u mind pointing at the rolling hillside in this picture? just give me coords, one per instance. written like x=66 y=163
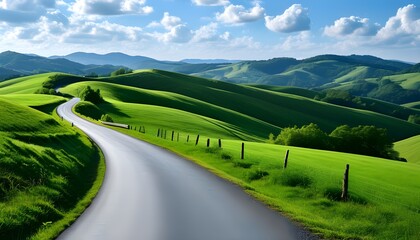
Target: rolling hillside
x=46 y=168
x=278 y=109
x=311 y=72
x=410 y=149
x=15 y=64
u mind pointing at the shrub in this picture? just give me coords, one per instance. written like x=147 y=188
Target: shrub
x=88 y=109
x=256 y=175
x=226 y=156
x=93 y=96
x=242 y=164
x=106 y=118
x=293 y=178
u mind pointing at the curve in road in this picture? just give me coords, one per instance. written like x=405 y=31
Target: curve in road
x=149 y=193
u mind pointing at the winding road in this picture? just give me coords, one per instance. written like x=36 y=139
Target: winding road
x=152 y=194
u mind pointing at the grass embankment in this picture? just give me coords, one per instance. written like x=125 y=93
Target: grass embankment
x=385 y=200
x=409 y=148
x=46 y=168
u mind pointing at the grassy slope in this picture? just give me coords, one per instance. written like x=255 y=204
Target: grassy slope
x=407 y=80
x=24 y=85
x=385 y=196
x=43 y=173
x=278 y=109
x=409 y=149
x=231 y=122
x=415 y=105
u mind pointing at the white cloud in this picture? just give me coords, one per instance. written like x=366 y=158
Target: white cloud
x=351 y=26
x=177 y=31
x=300 y=41
x=294 y=19
x=24 y=11
x=169 y=22
x=403 y=28
x=210 y=2
x=237 y=14
x=178 y=34
x=92 y=32
x=110 y=7
x=206 y=33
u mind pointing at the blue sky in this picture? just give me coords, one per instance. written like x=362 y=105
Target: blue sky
x=230 y=29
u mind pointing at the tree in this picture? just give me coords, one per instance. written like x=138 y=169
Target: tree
x=310 y=136
x=93 y=96
x=106 y=118
x=121 y=71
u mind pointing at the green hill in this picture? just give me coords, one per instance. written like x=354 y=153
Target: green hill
x=410 y=149
x=278 y=109
x=46 y=168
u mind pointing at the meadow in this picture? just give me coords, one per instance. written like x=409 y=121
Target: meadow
x=47 y=169
x=384 y=195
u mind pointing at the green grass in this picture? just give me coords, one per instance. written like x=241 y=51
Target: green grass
x=385 y=199
x=278 y=109
x=415 y=105
x=46 y=168
x=409 y=149
x=407 y=80
x=43 y=103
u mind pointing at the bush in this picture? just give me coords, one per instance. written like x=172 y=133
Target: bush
x=294 y=178
x=256 y=175
x=414 y=119
x=121 y=71
x=88 y=109
x=106 y=118
x=242 y=164
x=93 y=96
x=366 y=140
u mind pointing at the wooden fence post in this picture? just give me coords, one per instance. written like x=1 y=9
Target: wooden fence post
x=165 y=134
x=243 y=151
x=177 y=137
x=72 y=124
x=345 y=190
x=172 y=135
x=188 y=138
x=220 y=143
x=208 y=142
x=158 y=132
x=196 y=141
x=285 y=159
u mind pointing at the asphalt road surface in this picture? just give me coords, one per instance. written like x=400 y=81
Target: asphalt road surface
x=152 y=194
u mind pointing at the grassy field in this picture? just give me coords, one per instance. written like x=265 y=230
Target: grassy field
x=415 y=105
x=46 y=168
x=278 y=109
x=409 y=149
x=385 y=199
x=407 y=80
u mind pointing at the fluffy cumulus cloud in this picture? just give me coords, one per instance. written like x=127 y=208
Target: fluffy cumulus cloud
x=403 y=28
x=24 y=11
x=294 y=19
x=237 y=14
x=351 y=26
x=92 y=32
x=110 y=7
x=206 y=33
x=210 y=2
x=177 y=31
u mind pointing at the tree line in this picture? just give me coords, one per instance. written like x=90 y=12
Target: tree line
x=365 y=140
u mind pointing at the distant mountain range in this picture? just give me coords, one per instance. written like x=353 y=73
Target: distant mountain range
x=360 y=75
x=14 y=64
